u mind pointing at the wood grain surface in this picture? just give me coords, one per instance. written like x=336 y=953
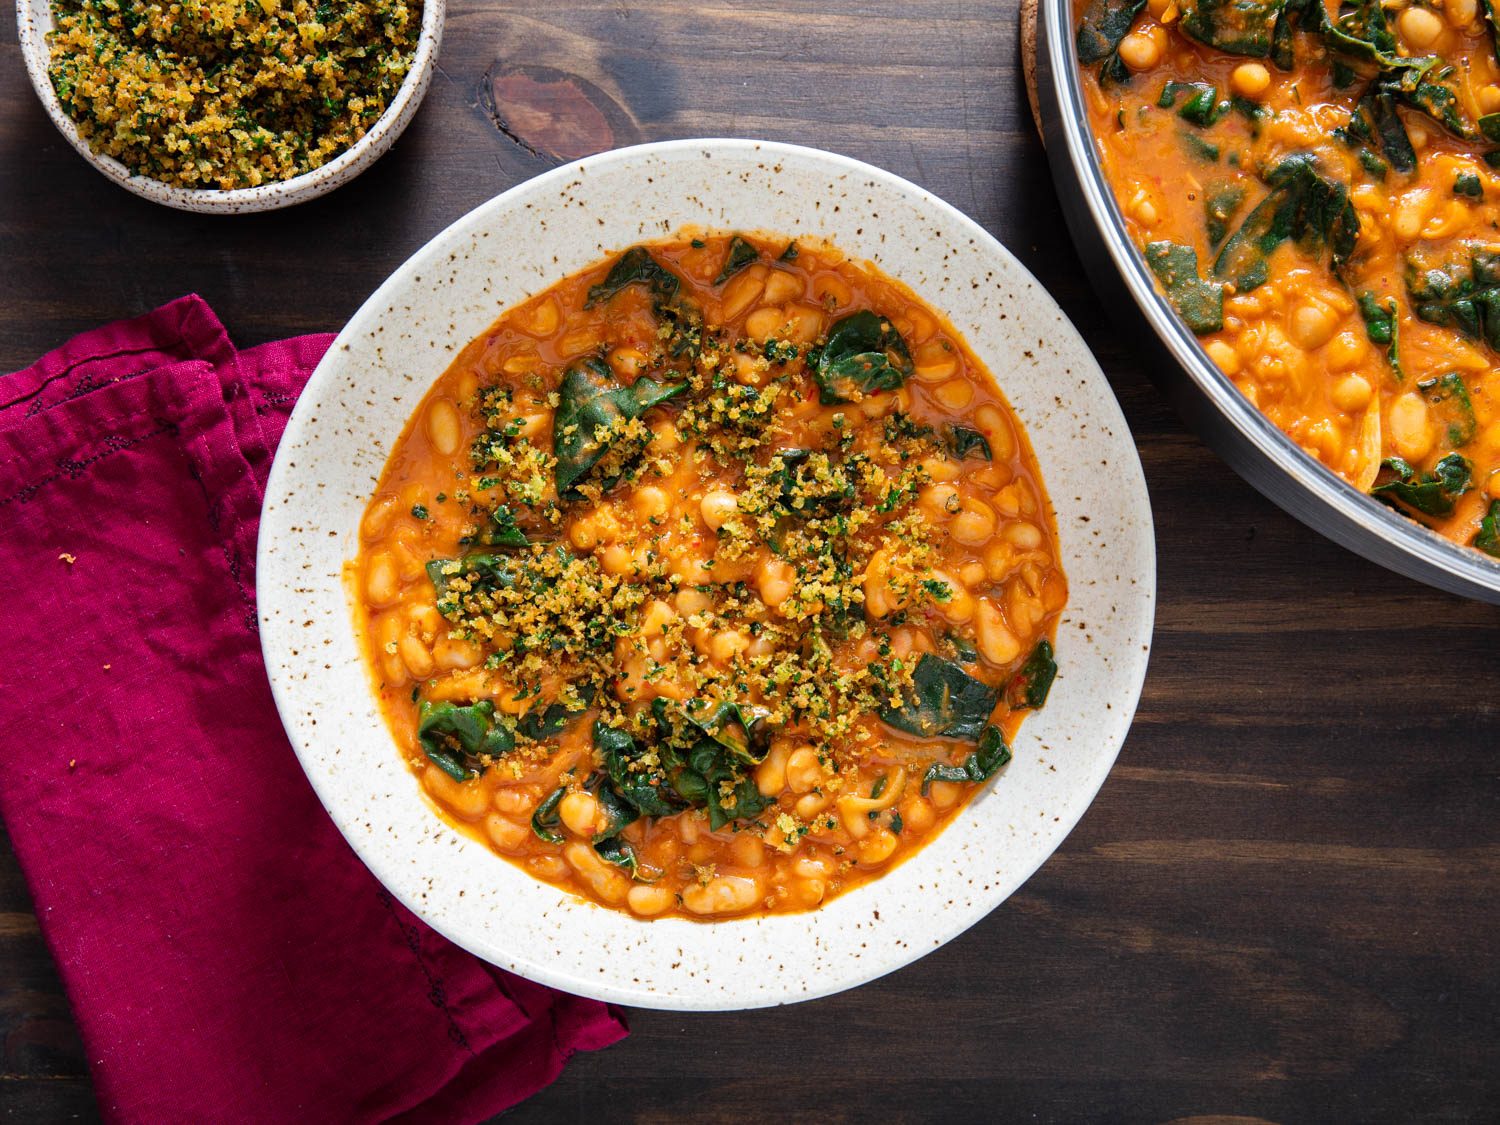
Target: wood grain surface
x=1283 y=904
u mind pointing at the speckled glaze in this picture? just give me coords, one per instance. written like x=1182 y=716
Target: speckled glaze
x=520 y=243
x=34 y=20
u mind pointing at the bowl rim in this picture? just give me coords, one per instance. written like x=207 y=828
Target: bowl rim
x=1339 y=511
x=34 y=20
x=1113 y=722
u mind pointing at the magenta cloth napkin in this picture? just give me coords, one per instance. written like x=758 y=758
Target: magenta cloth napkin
x=227 y=956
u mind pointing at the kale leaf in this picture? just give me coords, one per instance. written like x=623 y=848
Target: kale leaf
x=1236 y=27
x=458 y=739
x=1200 y=303
x=1220 y=204
x=1487 y=538
x=740 y=729
x=1028 y=688
x=1374 y=120
x=546 y=820
x=740 y=255
x=486 y=572
x=501 y=530
x=592 y=410
x=1104 y=24
x=547 y=722
x=1433 y=493
x=635 y=776
x=1459 y=294
x=1303 y=205
x=962 y=441
x=1384 y=328
x=1450 y=402
x=811 y=481
x=980 y=765
x=1359 y=31
x=636 y=267
x=1203 y=106
x=721 y=784
x=943 y=700
x=864 y=355
x=615 y=811
x=618 y=852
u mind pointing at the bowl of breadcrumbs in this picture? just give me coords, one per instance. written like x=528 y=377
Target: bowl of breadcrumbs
x=229 y=106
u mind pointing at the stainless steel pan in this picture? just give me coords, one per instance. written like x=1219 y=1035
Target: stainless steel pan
x=1237 y=431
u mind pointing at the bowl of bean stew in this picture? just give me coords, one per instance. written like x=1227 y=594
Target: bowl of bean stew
x=709 y=575
x=1292 y=206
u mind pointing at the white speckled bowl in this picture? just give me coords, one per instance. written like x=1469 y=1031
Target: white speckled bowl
x=519 y=243
x=34 y=20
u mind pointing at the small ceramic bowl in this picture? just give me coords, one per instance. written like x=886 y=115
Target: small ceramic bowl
x=517 y=244
x=34 y=21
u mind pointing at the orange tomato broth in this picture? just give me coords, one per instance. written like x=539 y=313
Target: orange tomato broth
x=963 y=565
x=1298 y=346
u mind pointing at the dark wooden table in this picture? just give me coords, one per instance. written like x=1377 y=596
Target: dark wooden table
x=1284 y=903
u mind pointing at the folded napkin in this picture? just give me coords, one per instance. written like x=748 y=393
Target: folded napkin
x=227 y=956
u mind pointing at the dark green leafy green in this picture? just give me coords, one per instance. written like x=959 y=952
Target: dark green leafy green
x=1251 y=111
x=1360 y=31
x=1028 y=688
x=1221 y=202
x=962 y=647
x=721 y=784
x=1374 y=120
x=1449 y=399
x=1490 y=18
x=592 y=410
x=615 y=812
x=739 y=728
x=547 y=722
x=1202 y=105
x=1200 y=303
x=981 y=765
x=1104 y=24
x=501 y=530
x=1375 y=165
x=1436 y=91
x=863 y=355
x=703 y=758
x=740 y=255
x=1198 y=147
x=1432 y=494
x=634 y=773
x=961 y=441
x=812 y=482
x=546 y=820
x=1468 y=184
x=1489 y=127
x=1303 y=205
x=1487 y=538
x=1383 y=327
x=1307 y=15
x=618 y=852
x=1459 y=294
x=636 y=267
x=490 y=572
x=1236 y=27
x=943 y=701
x=461 y=739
